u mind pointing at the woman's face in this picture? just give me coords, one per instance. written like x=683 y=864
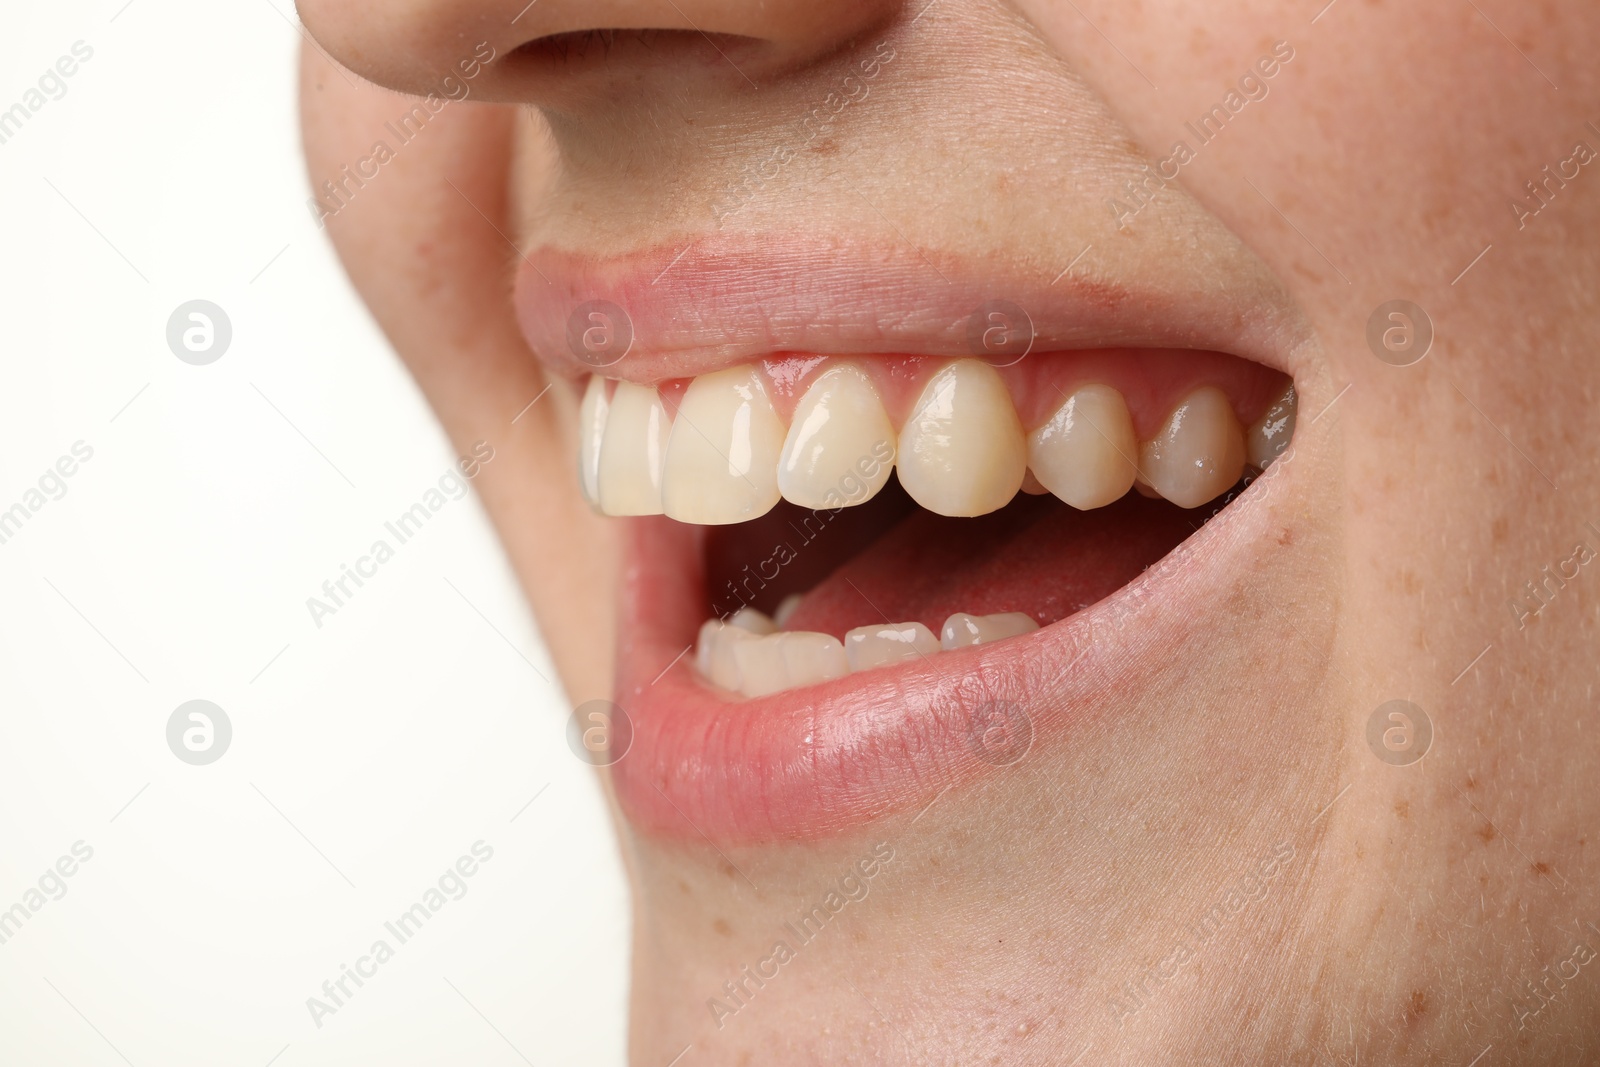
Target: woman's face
x=1028 y=255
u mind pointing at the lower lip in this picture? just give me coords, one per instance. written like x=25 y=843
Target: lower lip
x=814 y=762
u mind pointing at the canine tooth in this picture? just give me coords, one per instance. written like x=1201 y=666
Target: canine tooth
x=1086 y=453
x=962 y=450
x=786 y=608
x=1266 y=440
x=752 y=621
x=632 y=451
x=840 y=446
x=813 y=657
x=722 y=454
x=761 y=665
x=961 y=629
x=1198 y=453
x=591 y=432
x=875 y=646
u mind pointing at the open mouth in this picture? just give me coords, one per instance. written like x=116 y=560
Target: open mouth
x=851 y=574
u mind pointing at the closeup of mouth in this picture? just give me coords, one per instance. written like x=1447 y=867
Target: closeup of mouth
x=875 y=530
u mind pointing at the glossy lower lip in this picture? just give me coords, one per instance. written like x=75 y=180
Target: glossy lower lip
x=712 y=302
x=810 y=763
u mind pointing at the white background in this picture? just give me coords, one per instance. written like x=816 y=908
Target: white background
x=368 y=754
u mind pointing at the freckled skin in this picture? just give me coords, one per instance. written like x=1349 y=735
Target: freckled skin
x=1024 y=906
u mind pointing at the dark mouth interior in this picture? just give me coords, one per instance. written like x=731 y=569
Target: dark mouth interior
x=889 y=560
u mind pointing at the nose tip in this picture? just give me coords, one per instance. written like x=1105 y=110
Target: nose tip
x=536 y=52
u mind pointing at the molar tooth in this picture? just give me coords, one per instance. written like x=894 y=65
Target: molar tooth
x=962 y=450
x=632 y=452
x=812 y=657
x=1086 y=453
x=840 y=446
x=591 y=432
x=961 y=629
x=722 y=454
x=1266 y=440
x=1198 y=453
x=876 y=646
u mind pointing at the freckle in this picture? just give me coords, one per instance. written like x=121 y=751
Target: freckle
x=1486 y=832
x=1402 y=808
x=1541 y=867
x=826 y=147
x=1286 y=538
x=1472 y=783
x=729 y=871
x=721 y=926
x=683 y=887
x=1418 y=1006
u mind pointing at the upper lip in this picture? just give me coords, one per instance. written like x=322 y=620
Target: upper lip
x=703 y=304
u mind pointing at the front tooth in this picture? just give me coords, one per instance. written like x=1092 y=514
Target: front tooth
x=761 y=665
x=752 y=621
x=722 y=455
x=632 y=452
x=962 y=450
x=724 y=671
x=840 y=446
x=961 y=629
x=1266 y=440
x=876 y=646
x=591 y=433
x=812 y=657
x=705 y=645
x=1085 y=453
x=1199 y=452
x=786 y=607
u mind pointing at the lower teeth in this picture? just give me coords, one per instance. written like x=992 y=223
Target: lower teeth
x=749 y=655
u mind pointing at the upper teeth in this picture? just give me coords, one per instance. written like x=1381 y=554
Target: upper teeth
x=727 y=457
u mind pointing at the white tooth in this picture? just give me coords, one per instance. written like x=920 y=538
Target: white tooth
x=813 y=657
x=752 y=621
x=840 y=446
x=1266 y=440
x=705 y=645
x=875 y=646
x=1199 y=452
x=1086 y=453
x=724 y=671
x=1033 y=486
x=591 y=432
x=786 y=608
x=632 y=451
x=961 y=629
x=761 y=665
x=722 y=455
x=962 y=450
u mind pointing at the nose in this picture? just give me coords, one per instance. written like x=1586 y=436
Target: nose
x=575 y=53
